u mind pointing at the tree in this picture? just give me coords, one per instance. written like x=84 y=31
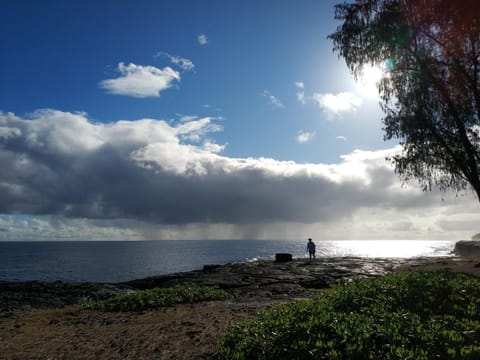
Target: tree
x=430 y=94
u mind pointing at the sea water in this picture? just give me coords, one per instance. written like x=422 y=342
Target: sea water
x=116 y=261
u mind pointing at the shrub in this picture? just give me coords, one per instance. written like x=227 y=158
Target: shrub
x=411 y=315
x=157 y=297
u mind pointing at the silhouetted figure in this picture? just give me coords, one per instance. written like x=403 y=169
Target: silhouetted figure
x=311 y=249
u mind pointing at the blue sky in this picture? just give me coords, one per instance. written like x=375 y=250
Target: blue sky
x=56 y=53
x=231 y=108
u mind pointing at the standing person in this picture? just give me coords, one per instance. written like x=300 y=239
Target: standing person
x=311 y=248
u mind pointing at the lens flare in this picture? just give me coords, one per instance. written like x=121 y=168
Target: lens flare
x=368 y=81
x=389 y=64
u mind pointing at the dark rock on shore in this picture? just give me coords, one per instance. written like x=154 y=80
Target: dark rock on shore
x=283 y=257
x=467 y=248
x=36 y=294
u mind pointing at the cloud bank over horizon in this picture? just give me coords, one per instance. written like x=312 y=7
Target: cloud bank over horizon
x=157 y=179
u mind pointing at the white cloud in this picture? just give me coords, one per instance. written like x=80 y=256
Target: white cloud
x=337 y=103
x=194 y=129
x=187 y=118
x=140 y=81
x=213 y=147
x=183 y=63
x=333 y=104
x=6 y=132
x=341 y=137
x=202 y=39
x=272 y=100
x=301 y=92
x=146 y=178
x=305 y=136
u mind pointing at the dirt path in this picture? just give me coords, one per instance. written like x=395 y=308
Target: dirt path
x=190 y=331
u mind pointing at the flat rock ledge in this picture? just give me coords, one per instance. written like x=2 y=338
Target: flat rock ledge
x=257 y=281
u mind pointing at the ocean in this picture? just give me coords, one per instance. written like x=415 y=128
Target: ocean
x=117 y=261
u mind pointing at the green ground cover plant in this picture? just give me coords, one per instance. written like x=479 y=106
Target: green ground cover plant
x=156 y=298
x=420 y=315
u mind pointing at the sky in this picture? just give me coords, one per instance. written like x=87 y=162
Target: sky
x=146 y=120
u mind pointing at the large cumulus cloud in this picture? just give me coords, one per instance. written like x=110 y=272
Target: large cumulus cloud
x=172 y=173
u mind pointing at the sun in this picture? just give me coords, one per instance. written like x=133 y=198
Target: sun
x=367 y=82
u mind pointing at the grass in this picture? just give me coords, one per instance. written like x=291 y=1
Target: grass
x=156 y=298
x=418 y=315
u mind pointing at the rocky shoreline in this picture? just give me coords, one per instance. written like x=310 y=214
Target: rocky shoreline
x=36 y=321
x=263 y=279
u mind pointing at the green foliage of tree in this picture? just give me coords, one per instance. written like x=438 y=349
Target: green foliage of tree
x=431 y=91
x=420 y=315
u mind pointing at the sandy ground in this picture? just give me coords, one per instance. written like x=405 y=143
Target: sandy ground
x=189 y=331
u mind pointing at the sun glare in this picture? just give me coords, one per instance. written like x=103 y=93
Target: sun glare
x=368 y=81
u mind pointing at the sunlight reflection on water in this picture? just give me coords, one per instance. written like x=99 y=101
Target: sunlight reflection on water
x=386 y=248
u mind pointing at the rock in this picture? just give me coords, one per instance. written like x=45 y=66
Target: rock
x=319 y=283
x=283 y=257
x=48 y=295
x=251 y=281
x=467 y=248
x=211 y=267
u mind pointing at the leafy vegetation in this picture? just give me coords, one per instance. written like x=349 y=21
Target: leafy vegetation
x=430 y=50
x=410 y=315
x=157 y=297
